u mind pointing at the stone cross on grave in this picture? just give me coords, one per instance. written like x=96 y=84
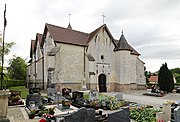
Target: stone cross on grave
x=83 y=80
x=103 y=17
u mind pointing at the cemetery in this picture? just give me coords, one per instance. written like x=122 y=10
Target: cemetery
x=77 y=106
x=86 y=106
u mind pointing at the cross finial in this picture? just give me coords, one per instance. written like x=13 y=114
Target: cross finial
x=122 y=31
x=103 y=17
x=69 y=17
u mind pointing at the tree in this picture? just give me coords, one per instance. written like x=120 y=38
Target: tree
x=165 y=79
x=147 y=75
x=17 y=68
x=7 y=47
x=176 y=74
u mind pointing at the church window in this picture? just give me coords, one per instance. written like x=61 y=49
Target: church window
x=96 y=38
x=50 y=76
x=87 y=48
x=102 y=57
x=97 y=71
x=49 y=40
x=106 y=40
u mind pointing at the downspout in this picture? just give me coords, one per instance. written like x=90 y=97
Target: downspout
x=42 y=67
x=35 y=70
x=84 y=60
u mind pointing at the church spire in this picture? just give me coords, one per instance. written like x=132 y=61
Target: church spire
x=122 y=44
x=69 y=26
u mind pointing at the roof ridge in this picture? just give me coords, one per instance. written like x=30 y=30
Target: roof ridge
x=67 y=28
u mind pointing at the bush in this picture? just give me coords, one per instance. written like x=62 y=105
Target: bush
x=12 y=82
x=143 y=114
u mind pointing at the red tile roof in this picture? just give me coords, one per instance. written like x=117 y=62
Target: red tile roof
x=68 y=36
x=153 y=79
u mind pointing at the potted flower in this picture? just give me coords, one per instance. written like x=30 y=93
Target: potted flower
x=51 y=111
x=66 y=104
x=32 y=114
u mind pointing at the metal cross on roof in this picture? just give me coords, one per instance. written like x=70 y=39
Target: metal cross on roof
x=103 y=17
x=69 y=17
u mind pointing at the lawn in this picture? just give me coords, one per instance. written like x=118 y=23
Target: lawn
x=23 y=89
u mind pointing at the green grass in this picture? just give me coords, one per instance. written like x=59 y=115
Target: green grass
x=23 y=89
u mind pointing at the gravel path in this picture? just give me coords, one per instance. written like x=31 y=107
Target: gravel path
x=137 y=96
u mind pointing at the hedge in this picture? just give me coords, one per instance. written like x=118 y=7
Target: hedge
x=12 y=82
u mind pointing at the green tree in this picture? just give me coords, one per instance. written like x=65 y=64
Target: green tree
x=147 y=75
x=17 y=68
x=176 y=74
x=175 y=70
x=7 y=47
x=165 y=79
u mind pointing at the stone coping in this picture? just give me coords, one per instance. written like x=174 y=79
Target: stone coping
x=60 y=112
x=5 y=93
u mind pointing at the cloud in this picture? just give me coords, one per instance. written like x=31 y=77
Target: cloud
x=151 y=27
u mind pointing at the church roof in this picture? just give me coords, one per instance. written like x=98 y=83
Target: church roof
x=32 y=47
x=38 y=39
x=93 y=33
x=68 y=36
x=90 y=57
x=122 y=44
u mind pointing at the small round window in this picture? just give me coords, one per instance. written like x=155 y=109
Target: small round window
x=102 y=57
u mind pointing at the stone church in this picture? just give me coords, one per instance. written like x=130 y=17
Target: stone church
x=79 y=60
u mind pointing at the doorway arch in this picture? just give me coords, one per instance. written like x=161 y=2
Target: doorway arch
x=102 y=83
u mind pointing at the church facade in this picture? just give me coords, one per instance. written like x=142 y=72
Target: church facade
x=79 y=60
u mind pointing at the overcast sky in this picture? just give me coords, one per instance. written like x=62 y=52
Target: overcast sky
x=152 y=27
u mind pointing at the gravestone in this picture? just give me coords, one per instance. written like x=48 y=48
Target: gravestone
x=93 y=95
x=119 y=97
x=66 y=93
x=90 y=115
x=34 y=91
x=77 y=95
x=177 y=114
x=166 y=108
x=51 y=93
x=59 y=97
x=33 y=101
x=160 y=116
x=82 y=115
x=122 y=115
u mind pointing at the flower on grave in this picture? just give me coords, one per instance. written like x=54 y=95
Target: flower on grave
x=66 y=103
x=51 y=111
x=42 y=120
x=48 y=117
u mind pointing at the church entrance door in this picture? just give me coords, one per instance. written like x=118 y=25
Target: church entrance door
x=102 y=83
